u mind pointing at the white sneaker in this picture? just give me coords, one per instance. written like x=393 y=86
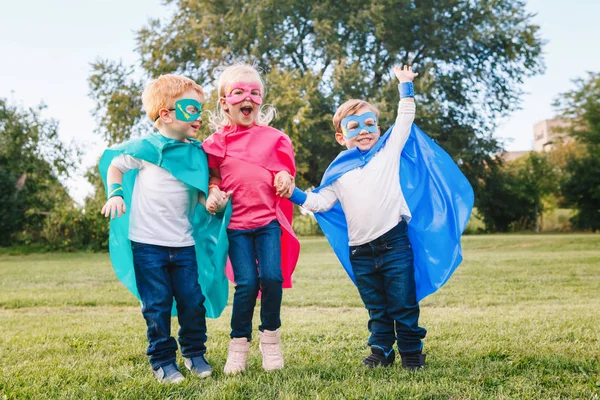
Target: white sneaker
x=237 y=356
x=271 y=352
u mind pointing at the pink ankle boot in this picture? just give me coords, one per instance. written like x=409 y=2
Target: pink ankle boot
x=238 y=354
x=271 y=352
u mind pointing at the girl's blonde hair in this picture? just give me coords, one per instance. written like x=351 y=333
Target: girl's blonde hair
x=238 y=73
x=160 y=93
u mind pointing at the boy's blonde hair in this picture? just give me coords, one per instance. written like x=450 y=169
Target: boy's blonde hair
x=160 y=92
x=239 y=72
x=348 y=108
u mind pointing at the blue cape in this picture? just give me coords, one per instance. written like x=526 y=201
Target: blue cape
x=439 y=197
x=186 y=162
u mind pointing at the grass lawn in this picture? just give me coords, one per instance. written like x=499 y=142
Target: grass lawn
x=520 y=319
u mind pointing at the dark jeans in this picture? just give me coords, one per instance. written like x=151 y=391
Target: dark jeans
x=255 y=256
x=384 y=272
x=162 y=273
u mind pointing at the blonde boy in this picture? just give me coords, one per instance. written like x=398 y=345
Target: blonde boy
x=155 y=183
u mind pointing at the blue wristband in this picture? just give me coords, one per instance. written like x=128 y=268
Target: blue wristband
x=114 y=189
x=406 y=89
x=298 y=197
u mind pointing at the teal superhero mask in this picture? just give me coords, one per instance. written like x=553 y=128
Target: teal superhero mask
x=186 y=162
x=349 y=133
x=188 y=110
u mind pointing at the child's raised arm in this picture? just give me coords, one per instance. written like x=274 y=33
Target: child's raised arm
x=405 y=75
x=406 y=108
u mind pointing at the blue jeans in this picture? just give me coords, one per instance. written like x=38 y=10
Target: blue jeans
x=161 y=274
x=384 y=272
x=255 y=256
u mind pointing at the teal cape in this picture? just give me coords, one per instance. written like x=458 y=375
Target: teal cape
x=186 y=162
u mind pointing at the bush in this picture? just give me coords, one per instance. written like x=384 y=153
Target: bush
x=10 y=208
x=64 y=229
x=306 y=225
x=72 y=228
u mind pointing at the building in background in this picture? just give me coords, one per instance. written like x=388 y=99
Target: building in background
x=545 y=136
x=546 y=133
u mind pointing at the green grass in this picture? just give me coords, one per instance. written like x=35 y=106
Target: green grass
x=520 y=319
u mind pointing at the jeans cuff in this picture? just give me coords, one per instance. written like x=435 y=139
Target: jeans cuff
x=159 y=364
x=411 y=350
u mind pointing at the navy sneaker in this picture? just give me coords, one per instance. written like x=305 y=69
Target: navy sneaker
x=168 y=374
x=198 y=366
x=379 y=357
x=413 y=361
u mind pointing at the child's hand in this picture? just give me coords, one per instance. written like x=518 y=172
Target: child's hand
x=114 y=205
x=404 y=74
x=217 y=200
x=289 y=192
x=283 y=182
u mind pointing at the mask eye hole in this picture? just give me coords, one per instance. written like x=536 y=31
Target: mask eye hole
x=237 y=92
x=370 y=122
x=255 y=92
x=352 y=125
x=192 y=110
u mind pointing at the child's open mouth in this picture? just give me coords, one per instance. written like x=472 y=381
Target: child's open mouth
x=246 y=111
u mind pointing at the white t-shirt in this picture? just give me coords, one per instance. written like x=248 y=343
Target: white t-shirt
x=371 y=196
x=161 y=205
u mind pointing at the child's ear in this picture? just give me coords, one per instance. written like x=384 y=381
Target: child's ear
x=165 y=116
x=224 y=104
x=339 y=137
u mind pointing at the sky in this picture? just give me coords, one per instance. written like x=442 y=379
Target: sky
x=47 y=46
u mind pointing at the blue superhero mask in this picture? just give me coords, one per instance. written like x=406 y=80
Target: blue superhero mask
x=188 y=110
x=349 y=133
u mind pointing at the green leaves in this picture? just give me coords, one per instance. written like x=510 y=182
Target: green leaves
x=32 y=158
x=471 y=57
x=118 y=100
x=581 y=181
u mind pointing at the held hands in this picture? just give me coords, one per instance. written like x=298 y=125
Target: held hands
x=289 y=193
x=404 y=74
x=114 y=205
x=217 y=200
x=284 y=184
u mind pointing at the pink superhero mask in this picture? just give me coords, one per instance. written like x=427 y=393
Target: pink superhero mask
x=247 y=93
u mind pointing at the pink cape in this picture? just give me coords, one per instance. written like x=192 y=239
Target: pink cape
x=272 y=150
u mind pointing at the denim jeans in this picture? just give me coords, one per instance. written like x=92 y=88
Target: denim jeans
x=384 y=272
x=255 y=256
x=161 y=274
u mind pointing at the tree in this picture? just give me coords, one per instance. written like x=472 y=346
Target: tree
x=539 y=180
x=501 y=203
x=11 y=214
x=512 y=194
x=32 y=158
x=472 y=57
x=581 y=184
